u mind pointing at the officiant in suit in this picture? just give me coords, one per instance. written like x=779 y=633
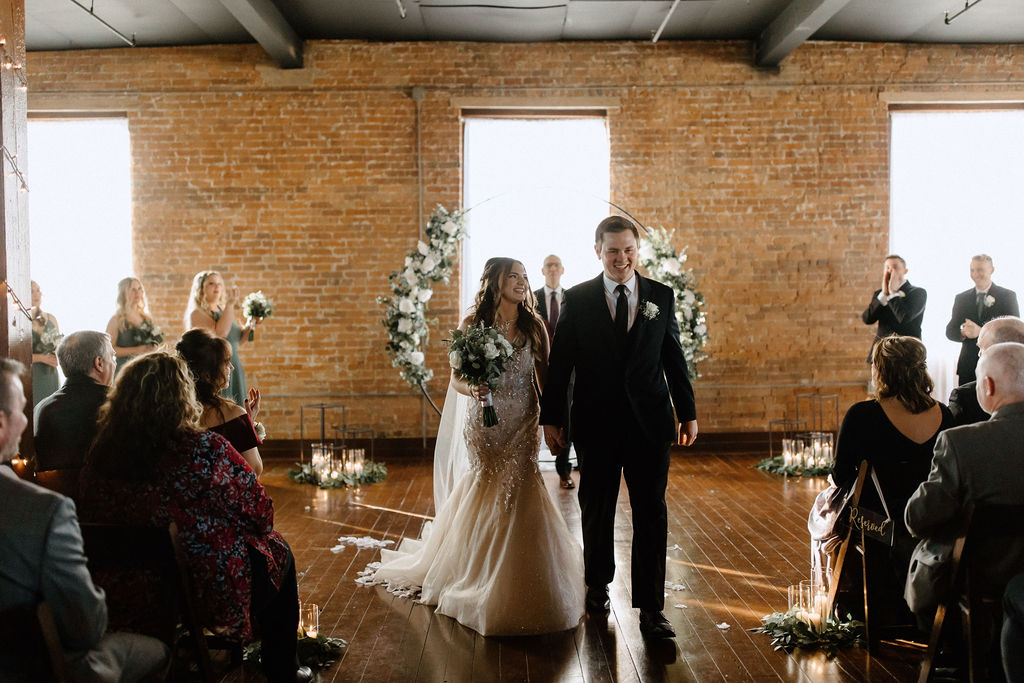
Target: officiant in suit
x=897 y=306
x=972 y=309
x=618 y=332
x=550 y=300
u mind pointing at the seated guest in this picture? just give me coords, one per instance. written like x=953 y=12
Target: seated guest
x=42 y=559
x=980 y=463
x=895 y=433
x=209 y=359
x=963 y=400
x=151 y=464
x=1012 y=640
x=65 y=421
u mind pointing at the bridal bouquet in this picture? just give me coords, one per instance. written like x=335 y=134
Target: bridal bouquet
x=479 y=356
x=256 y=305
x=147 y=334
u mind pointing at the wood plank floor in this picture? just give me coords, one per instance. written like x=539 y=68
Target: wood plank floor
x=741 y=537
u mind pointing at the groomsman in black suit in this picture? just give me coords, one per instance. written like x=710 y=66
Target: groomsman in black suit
x=618 y=332
x=550 y=300
x=898 y=306
x=974 y=308
x=963 y=400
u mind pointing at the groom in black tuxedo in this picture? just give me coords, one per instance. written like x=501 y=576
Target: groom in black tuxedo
x=619 y=333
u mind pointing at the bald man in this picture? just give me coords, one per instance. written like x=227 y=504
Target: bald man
x=978 y=463
x=963 y=400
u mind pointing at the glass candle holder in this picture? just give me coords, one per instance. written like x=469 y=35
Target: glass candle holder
x=309 y=619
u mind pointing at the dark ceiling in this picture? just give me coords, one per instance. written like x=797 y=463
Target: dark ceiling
x=280 y=26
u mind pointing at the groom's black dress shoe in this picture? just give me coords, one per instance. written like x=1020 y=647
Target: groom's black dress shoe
x=597 y=599
x=653 y=624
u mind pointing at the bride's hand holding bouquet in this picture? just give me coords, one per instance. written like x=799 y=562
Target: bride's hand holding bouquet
x=478 y=356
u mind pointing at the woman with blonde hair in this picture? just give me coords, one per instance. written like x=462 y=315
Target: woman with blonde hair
x=209 y=360
x=45 y=337
x=151 y=464
x=131 y=328
x=497 y=531
x=212 y=306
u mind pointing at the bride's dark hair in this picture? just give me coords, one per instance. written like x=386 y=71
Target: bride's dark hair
x=486 y=303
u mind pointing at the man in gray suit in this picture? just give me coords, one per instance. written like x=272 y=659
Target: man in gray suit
x=982 y=462
x=41 y=558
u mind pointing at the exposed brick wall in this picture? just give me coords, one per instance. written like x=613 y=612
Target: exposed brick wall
x=304 y=184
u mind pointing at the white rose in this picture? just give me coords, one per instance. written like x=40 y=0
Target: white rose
x=410 y=276
x=687 y=313
x=455 y=360
x=416 y=358
x=405 y=345
x=672 y=265
x=406 y=306
x=415 y=338
x=429 y=263
x=408 y=261
x=424 y=295
x=490 y=351
x=646 y=252
x=688 y=297
x=507 y=346
x=700 y=329
x=404 y=325
x=422 y=248
x=449 y=227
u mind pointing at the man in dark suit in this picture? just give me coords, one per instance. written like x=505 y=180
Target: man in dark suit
x=65 y=421
x=980 y=463
x=898 y=306
x=550 y=301
x=974 y=308
x=963 y=400
x=619 y=333
x=42 y=559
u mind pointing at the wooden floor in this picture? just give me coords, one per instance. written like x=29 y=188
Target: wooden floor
x=742 y=540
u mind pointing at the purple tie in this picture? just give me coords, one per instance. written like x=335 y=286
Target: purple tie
x=553 y=315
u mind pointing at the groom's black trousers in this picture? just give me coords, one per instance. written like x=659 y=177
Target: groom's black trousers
x=645 y=467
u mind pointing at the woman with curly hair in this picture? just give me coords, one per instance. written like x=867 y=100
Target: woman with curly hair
x=131 y=327
x=498 y=557
x=151 y=464
x=209 y=360
x=211 y=305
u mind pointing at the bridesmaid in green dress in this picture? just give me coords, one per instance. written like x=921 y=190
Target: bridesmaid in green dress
x=131 y=328
x=45 y=337
x=212 y=306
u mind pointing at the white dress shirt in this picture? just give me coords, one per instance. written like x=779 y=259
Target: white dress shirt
x=558 y=295
x=611 y=296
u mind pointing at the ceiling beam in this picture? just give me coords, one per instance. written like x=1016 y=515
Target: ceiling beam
x=267 y=25
x=793 y=26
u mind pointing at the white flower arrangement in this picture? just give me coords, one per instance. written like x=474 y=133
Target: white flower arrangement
x=661 y=261
x=989 y=301
x=411 y=289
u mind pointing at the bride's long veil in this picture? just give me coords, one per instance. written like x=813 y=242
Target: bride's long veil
x=451 y=457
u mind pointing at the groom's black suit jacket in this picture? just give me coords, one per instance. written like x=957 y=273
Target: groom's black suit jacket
x=643 y=376
x=965 y=307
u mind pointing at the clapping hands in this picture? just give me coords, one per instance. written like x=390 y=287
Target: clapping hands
x=252 y=403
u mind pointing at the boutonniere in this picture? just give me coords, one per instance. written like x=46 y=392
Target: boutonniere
x=649 y=310
x=989 y=301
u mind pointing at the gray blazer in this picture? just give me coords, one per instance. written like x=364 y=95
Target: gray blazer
x=981 y=463
x=41 y=558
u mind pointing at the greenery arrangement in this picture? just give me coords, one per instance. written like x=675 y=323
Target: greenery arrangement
x=147 y=333
x=373 y=472
x=411 y=289
x=48 y=341
x=256 y=305
x=788 y=632
x=479 y=356
x=661 y=261
x=316 y=653
x=777 y=465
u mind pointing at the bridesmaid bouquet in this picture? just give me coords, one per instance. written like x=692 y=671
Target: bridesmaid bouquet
x=479 y=356
x=48 y=341
x=256 y=305
x=147 y=334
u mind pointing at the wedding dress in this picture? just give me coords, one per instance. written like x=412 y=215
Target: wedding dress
x=498 y=557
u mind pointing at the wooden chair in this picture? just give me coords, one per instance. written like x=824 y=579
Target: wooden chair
x=148 y=549
x=965 y=598
x=30 y=632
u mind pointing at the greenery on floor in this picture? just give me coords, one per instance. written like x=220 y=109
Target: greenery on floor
x=373 y=472
x=789 y=632
x=316 y=653
x=777 y=465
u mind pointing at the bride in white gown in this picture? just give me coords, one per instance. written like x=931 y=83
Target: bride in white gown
x=498 y=557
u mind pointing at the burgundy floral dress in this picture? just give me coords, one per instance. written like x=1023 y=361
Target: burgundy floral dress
x=220 y=508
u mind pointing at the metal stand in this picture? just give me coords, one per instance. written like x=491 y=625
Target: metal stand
x=323 y=408
x=354 y=432
x=784 y=429
x=815 y=411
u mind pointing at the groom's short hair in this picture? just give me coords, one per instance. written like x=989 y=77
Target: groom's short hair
x=615 y=224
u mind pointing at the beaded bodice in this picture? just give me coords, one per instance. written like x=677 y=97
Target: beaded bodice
x=507 y=452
